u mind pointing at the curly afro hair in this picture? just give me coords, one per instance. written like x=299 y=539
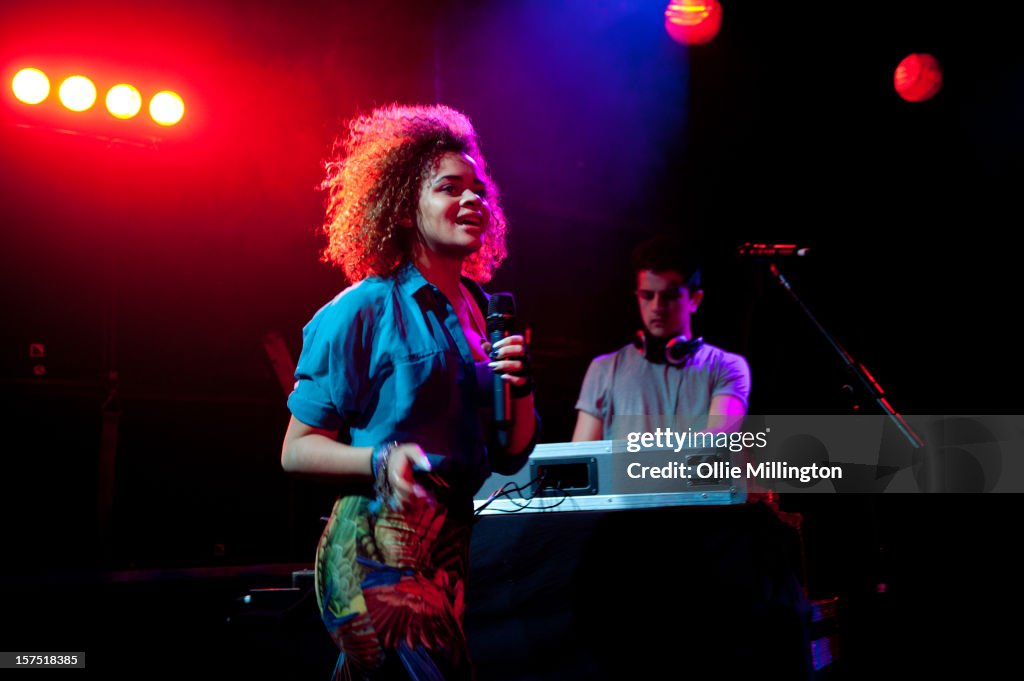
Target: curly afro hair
x=373 y=180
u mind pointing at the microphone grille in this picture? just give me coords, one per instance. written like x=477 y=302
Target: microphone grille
x=501 y=312
x=501 y=305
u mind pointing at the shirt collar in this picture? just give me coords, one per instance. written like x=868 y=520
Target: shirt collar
x=410 y=280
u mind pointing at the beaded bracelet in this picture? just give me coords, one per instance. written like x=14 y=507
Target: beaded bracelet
x=379 y=465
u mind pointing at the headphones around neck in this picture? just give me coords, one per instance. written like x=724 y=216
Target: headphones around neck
x=661 y=350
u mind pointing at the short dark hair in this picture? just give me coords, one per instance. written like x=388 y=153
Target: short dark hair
x=665 y=253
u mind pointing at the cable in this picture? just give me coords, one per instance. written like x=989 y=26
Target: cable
x=510 y=488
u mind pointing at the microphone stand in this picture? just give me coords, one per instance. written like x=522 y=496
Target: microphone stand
x=855 y=367
x=874 y=390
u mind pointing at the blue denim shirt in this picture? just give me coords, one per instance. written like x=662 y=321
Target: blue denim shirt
x=387 y=360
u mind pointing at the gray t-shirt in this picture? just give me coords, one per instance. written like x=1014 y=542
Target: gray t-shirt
x=630 y=394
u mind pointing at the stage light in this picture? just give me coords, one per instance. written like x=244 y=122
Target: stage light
x=918 y=77
x=693 y=22
x=166 y=107
x=123 y=101
x=30 y=85
x=77 y=93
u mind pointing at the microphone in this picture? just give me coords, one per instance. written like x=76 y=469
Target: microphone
x=501 y=317
x=765 y=251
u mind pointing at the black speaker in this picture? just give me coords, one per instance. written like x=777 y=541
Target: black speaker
x=660 y=350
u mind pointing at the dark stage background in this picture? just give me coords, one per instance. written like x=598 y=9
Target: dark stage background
x=172 y=263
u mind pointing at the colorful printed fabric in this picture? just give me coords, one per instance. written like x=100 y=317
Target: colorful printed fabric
x=394 y=582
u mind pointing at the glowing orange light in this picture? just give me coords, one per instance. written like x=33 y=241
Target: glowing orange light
x=693 y=22
x=166 y=107
x=77 y=93
x=918 y=77
x=123 y=101
x=30 y=86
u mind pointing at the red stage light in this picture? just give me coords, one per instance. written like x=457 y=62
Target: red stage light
x=77 y=93
x=166 y=108
x=693 y=22
x=123 y=101
x=918 y=77
x=30 y=85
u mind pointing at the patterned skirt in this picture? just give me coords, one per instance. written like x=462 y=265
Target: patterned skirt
x=390 y=586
